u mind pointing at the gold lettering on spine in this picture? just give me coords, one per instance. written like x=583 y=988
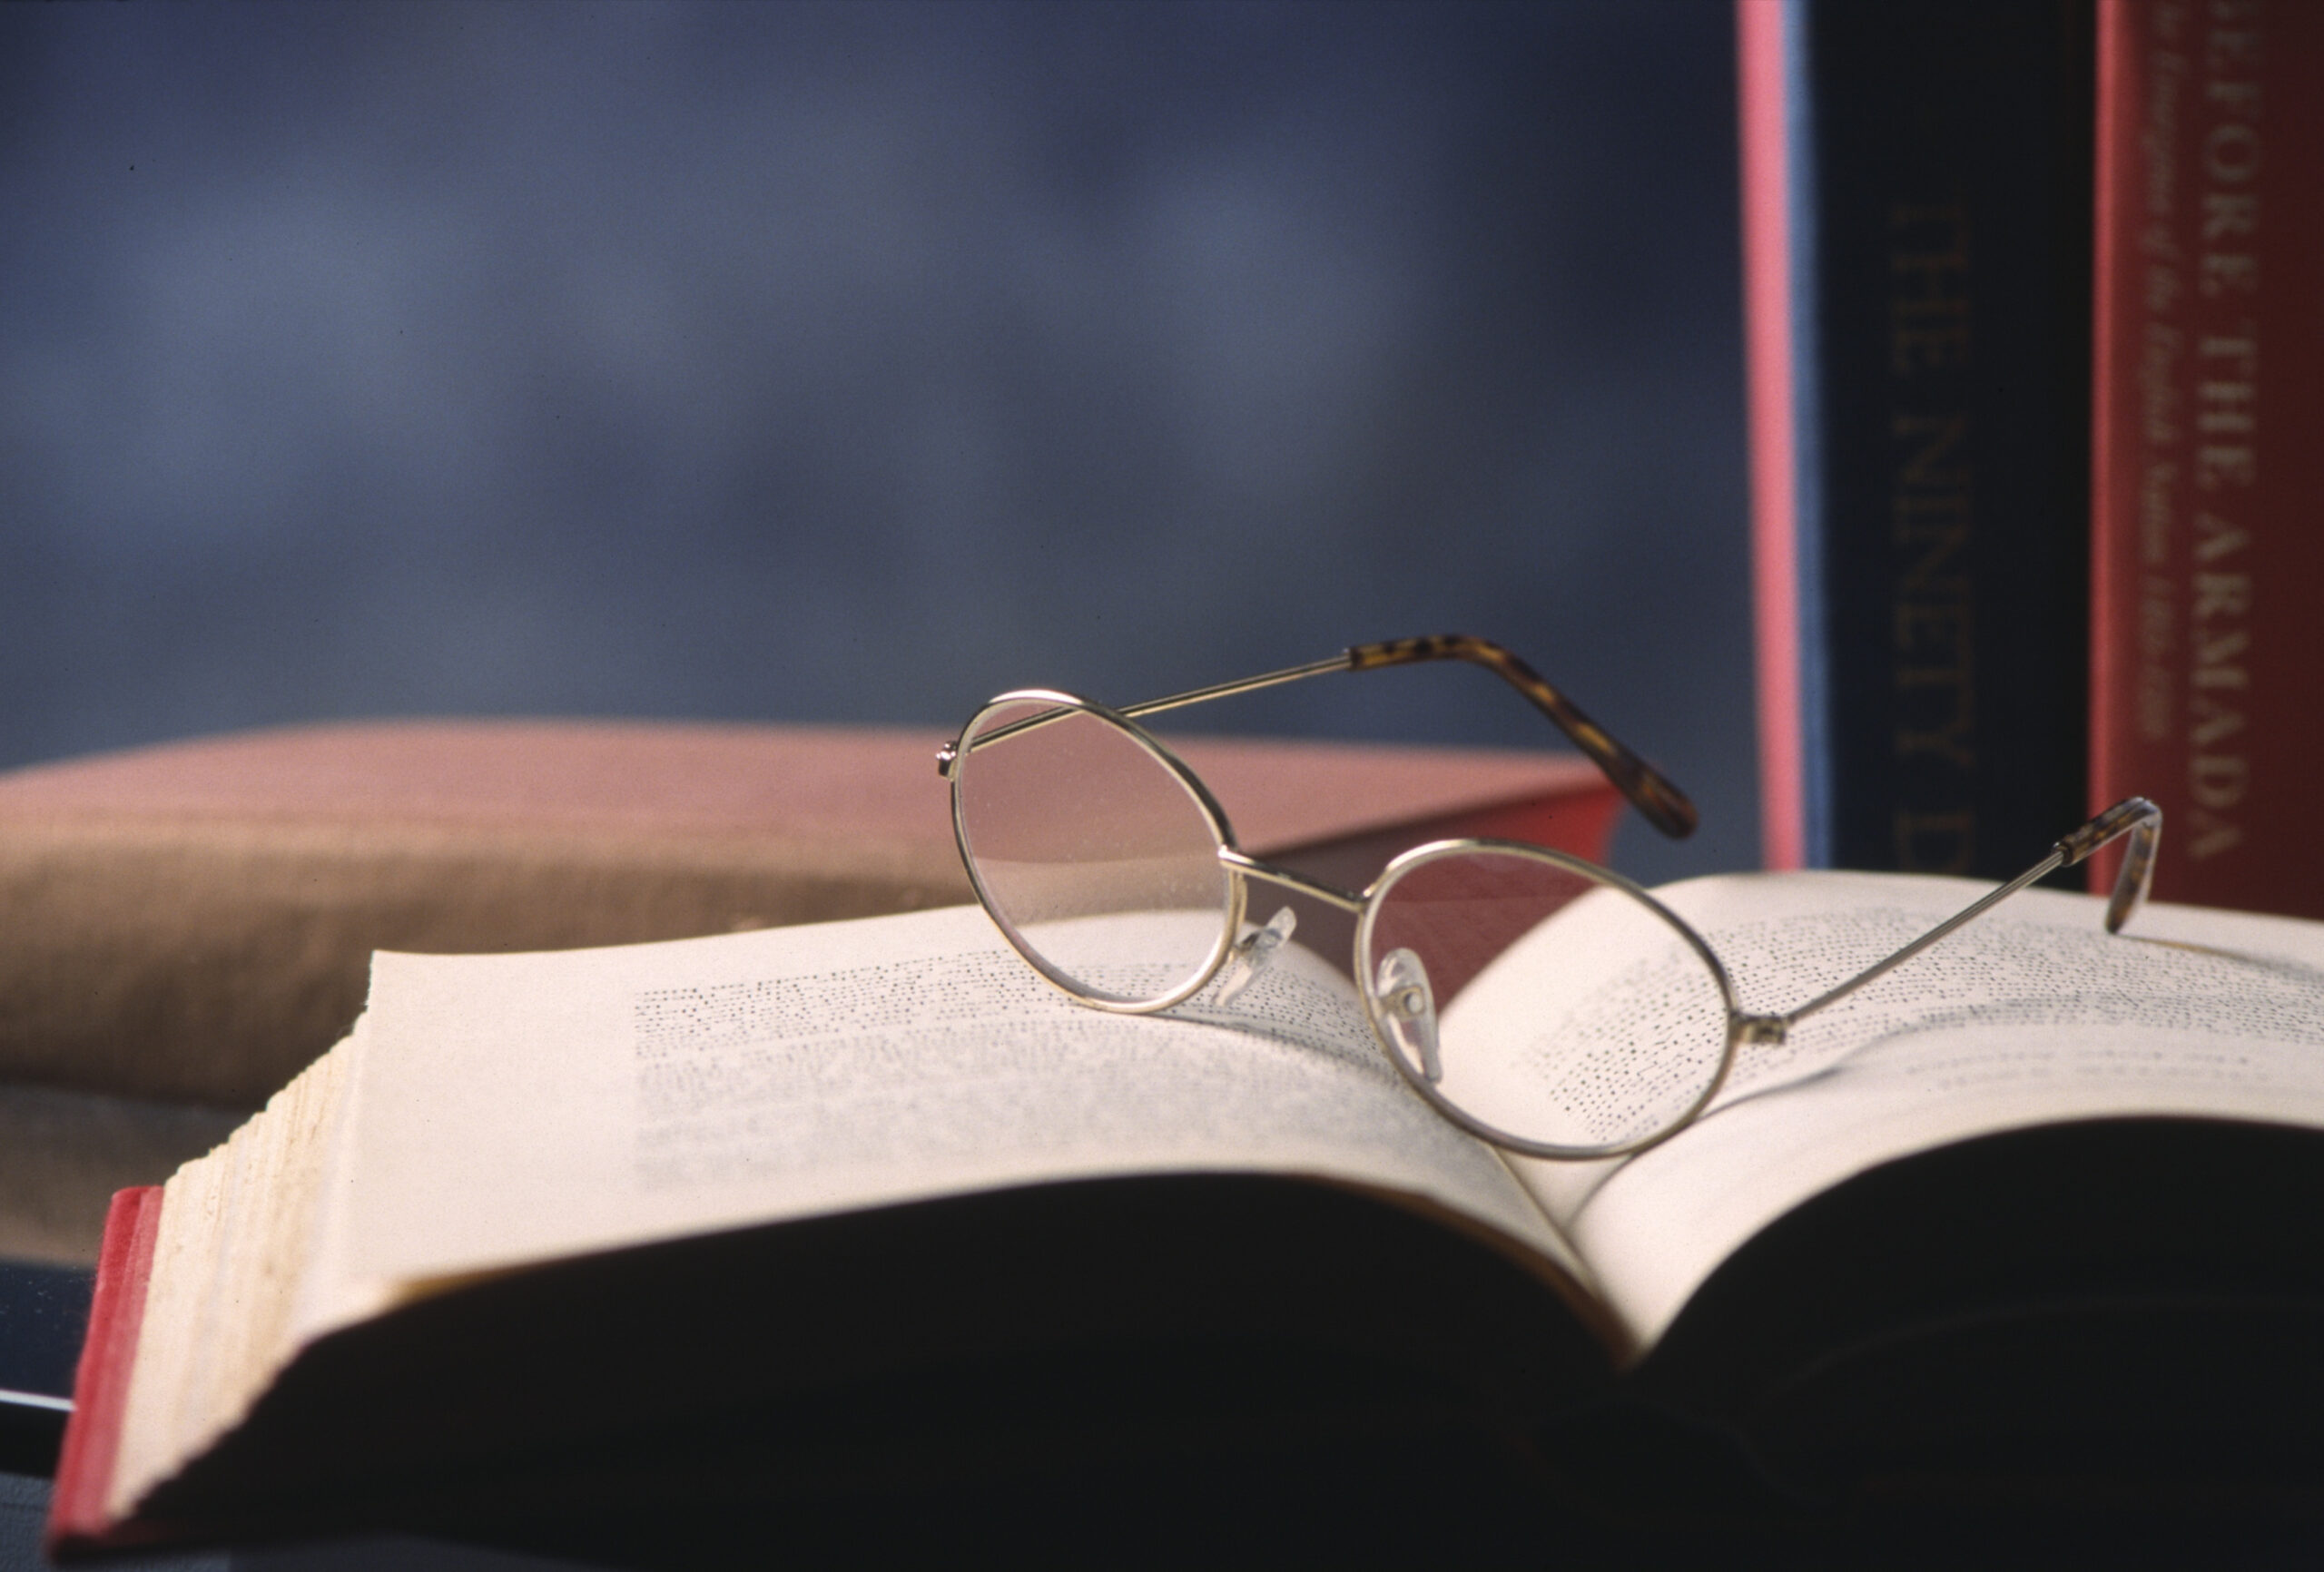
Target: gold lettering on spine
x=1932 y=511
x=2215 y=582
x=2162 y=347
x=1935 y=842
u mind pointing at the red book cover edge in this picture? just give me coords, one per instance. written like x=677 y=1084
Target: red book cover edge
x=1767 y=336
x=2107 y=597
x=77 y=1516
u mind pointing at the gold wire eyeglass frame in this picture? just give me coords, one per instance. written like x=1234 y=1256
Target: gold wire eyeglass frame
x=1661 y=802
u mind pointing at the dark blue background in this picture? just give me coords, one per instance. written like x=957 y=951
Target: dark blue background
x=853 y=362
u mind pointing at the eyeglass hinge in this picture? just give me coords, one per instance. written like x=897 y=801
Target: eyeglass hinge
x=1760 y=1031
x=945 y=757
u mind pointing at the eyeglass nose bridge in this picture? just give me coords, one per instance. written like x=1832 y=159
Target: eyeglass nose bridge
x=1249 y=867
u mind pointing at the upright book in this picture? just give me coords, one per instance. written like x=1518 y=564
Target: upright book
x=1917 y=198
x=2206 y=650
x=857 y=1240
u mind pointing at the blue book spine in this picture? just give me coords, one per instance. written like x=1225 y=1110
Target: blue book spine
x=1936 y=202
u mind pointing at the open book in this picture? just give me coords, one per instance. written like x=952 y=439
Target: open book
x=868 y=1207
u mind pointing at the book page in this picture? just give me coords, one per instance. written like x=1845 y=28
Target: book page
x=513 y=1108
x=2031 y=1015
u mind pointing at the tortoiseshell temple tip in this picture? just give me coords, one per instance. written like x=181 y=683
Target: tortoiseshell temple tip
x=1669 y=809
x=1647 y=788
x=2079 y=843
x=2142 y=821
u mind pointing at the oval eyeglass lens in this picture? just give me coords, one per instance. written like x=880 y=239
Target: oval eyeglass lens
x=1549 y=1007
x=1095 y=858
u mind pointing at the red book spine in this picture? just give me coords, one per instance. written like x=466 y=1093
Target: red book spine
x=77 y=1519
x=2207 y=618
x=1768 y=327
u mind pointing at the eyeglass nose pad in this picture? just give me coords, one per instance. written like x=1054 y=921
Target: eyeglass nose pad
x=1254 y=949
x=1406 y=1004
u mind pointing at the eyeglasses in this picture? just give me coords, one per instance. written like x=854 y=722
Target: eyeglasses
x=1483 y=965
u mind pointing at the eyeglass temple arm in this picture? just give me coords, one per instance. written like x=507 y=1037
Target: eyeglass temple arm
x=1649 y=789
x=2136 y=817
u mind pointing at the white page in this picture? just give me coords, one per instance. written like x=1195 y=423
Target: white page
x=518 y=1108
x=2030 y=1014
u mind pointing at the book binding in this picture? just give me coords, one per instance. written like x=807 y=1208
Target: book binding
x=2207 y=654
x=1917 y=189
